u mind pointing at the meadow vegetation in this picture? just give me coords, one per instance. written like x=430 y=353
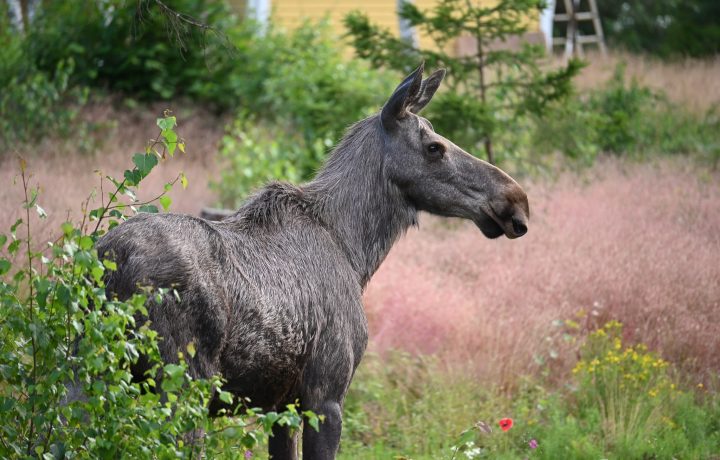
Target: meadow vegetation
x=596 y=333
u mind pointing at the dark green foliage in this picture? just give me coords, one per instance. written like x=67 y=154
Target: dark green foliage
x=299 y=80
x=666 y=28
x=487 y=91
x=135 y=47
x=141 y=50
x=33 y=102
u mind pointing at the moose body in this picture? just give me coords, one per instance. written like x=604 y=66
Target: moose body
x=271 y=295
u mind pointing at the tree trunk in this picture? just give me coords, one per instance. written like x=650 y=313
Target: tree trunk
x=483 y=97
x=25 y=13
x=483 y=87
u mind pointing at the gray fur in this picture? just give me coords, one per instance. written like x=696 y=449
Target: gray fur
x=271 y=295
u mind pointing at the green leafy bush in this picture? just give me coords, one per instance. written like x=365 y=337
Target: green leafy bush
x=137 y=48
x=620 y=108
x=252 y=157
x=66 y=390
x=665 y=28
x=33 y=102
x=310 y=84
x=299 y=80
x=310 y=94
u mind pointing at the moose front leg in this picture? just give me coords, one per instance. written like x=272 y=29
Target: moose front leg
x=283 y=444
x=323 y=444
x=324 y=388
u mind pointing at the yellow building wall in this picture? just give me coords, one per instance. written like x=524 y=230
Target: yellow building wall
x=291 y=13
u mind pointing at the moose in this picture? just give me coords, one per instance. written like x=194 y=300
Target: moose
x=271 y=295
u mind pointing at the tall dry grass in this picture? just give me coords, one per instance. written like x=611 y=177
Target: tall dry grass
x=692 y=83
x=67 y=177
x=638 y=243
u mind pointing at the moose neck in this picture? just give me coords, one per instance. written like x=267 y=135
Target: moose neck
x=365 y=211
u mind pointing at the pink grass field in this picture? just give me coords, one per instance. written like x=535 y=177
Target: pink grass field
x=637 y=243
x=66 y=177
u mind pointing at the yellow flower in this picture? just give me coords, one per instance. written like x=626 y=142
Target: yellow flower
x=669 y=422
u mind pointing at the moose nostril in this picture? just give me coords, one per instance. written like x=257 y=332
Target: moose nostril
x=519 y=227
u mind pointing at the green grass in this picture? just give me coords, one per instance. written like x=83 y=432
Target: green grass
x=403 y=406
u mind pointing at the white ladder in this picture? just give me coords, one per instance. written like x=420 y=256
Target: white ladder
x=573 y=40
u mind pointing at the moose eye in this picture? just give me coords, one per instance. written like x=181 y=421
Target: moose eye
x=436 y=149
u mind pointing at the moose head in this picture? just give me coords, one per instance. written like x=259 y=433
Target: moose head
x=438 y=176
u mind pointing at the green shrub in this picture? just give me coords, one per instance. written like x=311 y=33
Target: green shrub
x=310 y=84
x=309 y=95
x=567 y=128
x=33 y=102
x=136 y=48
x=252 y=156
x=665 y=28
x=624 y=119
x=59 y=331
x=620 y=126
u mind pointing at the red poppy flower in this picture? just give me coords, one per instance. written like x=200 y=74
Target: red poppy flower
x=505 y=424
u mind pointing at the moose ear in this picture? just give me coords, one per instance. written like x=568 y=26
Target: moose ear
x=427 y=90
x=396 y=107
